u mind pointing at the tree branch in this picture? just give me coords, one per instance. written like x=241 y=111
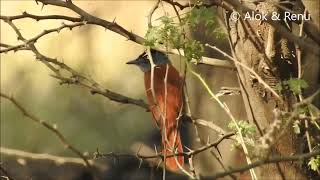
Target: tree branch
x=39 y=18
x=36 y=38
x=276 y=159
x=160 y=155
x=5 y=173
x=231 y=5
x=36 y=156
x=50 y=127
x=314 y=48
x=112 y=26
x=75 y=78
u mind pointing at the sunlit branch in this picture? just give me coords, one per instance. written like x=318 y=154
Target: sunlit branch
x=37 y=156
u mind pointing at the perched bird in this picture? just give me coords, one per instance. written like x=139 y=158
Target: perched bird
x=166 y=107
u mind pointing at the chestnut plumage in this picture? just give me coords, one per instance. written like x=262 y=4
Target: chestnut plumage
x=167 y=104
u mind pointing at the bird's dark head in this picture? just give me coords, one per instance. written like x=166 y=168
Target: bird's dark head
x=143 y=61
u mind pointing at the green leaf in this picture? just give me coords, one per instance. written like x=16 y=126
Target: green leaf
x=278 y=87
x=193 y=49
x=152 y=37
x=296 y=127
x=171 y=35
x=314 y=163
x=245 y=127
x=207 y=17
x=296 y=85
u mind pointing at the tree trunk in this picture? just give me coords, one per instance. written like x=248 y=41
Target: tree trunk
x=257 y=45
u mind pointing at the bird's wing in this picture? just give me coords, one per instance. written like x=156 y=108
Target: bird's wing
x=169 y=104
x=173 y=97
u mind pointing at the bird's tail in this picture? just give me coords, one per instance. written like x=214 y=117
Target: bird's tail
x=173 y=145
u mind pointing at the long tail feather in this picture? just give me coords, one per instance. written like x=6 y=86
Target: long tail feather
x=172 y=144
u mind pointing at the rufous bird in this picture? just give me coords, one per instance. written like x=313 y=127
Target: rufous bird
x=166 y=114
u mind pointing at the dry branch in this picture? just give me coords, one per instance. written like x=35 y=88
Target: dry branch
x=160 y=155
x=36 y=156
x=48 y=126
x=75 y=77
x=36 y=38
x=231 y=5
x=276 y=159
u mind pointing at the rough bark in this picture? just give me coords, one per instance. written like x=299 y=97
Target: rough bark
x=259 y=46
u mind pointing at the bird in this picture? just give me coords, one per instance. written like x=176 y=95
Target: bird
x=165 y=105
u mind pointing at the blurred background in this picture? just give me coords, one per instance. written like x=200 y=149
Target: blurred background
x=88 y=121
x=92 y=121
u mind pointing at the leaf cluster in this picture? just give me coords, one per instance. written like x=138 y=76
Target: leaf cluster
x=314 y=163
x=205 y=16
x=172 y=34
x=245 y=128
x=295 y=85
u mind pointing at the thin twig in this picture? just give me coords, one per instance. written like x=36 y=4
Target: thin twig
x=75 y=77
x=45 y=32
x=160 y=155
x=276 y=159
x=50 y=127
x=5 y=173
x=248 y=69
x=153 y=9
x=226 y=109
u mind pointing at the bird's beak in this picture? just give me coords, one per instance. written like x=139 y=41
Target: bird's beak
x=135 y=61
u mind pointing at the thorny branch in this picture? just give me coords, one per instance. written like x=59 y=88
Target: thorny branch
x=90 y=19
x=227 y=110
x=191 y=153
x=276 y=159
x=188 y=154
x=36 y=38
x=75 y=78
x=50 y=127
x=39 y=18
x=205 y=60
x=231 y=5
x=78 y=79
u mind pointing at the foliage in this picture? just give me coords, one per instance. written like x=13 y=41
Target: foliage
x=314 y=163
x=245 y=128
x=294 y=85
x=171 y=35
x=167 y=33
x=206 y=16
x=296 y=127
x=199 y=15
x=193 y=49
